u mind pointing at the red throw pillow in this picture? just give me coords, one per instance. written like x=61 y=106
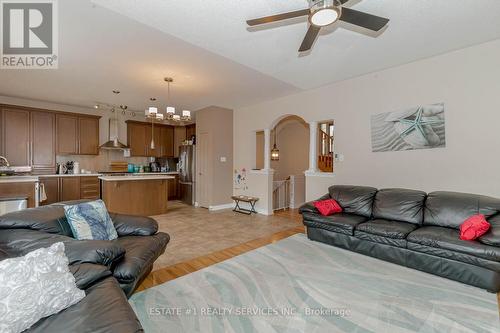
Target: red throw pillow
x=474 y=227
x=328 y=207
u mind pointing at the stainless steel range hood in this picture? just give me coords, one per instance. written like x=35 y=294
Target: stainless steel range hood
x=113 y=143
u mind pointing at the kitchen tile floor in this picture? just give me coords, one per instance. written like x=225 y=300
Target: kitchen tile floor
x=196 y=232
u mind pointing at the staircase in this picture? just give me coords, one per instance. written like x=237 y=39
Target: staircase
x=325 y=156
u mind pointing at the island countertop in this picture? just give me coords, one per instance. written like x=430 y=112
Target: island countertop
x=135 y=178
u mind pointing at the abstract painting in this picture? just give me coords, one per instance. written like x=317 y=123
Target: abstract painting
x=420 y=127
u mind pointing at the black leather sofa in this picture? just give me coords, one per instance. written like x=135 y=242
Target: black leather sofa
x=414 y=229
x=108 y=271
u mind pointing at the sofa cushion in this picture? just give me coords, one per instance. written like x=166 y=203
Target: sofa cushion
x=399 y=205
x=354 y=199
x=105 y=309
x=343 y=223
x=386 y=228
x=49 y=219
x=141 y=252
x=451 y=209
x=449 y=239
x=492 y=237
x=397 y=242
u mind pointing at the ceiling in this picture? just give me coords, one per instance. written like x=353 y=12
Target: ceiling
x=215 y=59
x=100 y=50
x=418 y=29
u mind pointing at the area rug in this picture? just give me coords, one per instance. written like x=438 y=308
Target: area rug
x=297 y=285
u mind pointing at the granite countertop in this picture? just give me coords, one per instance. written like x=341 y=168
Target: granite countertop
x=136 y=177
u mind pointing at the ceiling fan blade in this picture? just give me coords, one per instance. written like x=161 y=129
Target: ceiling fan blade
x=309 y=39
x=278 y=17
x=362 y=19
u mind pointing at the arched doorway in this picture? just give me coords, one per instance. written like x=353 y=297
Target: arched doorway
x=290 y=142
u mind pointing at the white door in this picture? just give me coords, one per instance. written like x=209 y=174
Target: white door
x=204 y=169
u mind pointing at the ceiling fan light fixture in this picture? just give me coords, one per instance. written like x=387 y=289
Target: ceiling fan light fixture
x=325 y=12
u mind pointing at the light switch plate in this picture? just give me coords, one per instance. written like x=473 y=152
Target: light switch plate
x=223 y=159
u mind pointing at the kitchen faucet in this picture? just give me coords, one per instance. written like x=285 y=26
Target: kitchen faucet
x=5 y=161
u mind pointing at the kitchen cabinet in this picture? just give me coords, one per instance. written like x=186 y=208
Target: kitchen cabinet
x=190 y=131
x=136 y=139
x=69 y=188
x=33 y=137
x=88 y=132
x=156 y=132
x=19 y=190
x=77 y=135
x=167 y=141
x=179 y=137
x=66 y=188
x=51 y=185
x=90 y=188
x=15 y=134
x=139 y=139
x=67 y=135
x=43 y=138
x=173 y=188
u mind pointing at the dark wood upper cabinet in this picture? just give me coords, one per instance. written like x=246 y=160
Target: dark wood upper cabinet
x=136 y=138
x=139 y=139
x=179 y=137
x=77 y=135
x=43 y=138
x=190 y=131
x=67 y=134
x=167 y=140
x=88 y=131
x=15 y=134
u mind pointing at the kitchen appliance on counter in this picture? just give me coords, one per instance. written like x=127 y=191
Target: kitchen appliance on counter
x=187 y=172
x=155 y=167
x=68 y=168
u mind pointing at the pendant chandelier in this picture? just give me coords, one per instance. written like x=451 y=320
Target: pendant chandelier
x=170 y=115
x=275 y=152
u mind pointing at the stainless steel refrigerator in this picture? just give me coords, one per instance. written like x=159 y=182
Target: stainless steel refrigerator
x=187 y=172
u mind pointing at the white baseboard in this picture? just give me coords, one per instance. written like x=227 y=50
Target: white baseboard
x=221 y=207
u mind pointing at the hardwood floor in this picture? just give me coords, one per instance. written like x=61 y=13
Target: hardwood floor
x=163 y=275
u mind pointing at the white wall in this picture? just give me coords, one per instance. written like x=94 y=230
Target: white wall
x=467 y=81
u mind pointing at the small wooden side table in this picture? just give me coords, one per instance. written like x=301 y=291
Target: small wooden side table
x=243 y=198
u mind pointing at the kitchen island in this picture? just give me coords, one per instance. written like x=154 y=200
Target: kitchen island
x=144 y=195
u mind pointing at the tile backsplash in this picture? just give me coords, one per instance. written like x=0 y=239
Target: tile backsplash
x=101 y=162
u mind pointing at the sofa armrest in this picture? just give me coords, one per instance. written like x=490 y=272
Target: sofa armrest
x=492 y=237
x=22 y=241
x=128 y=225
x=308 y=207
x=88 y=274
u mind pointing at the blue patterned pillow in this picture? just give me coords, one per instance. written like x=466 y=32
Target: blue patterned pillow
x=90 y=220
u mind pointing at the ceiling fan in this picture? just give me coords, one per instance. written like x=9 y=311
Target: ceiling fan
x=323 y=13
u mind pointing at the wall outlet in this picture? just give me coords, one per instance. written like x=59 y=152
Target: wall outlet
x=339 y=157
x=223 y=159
